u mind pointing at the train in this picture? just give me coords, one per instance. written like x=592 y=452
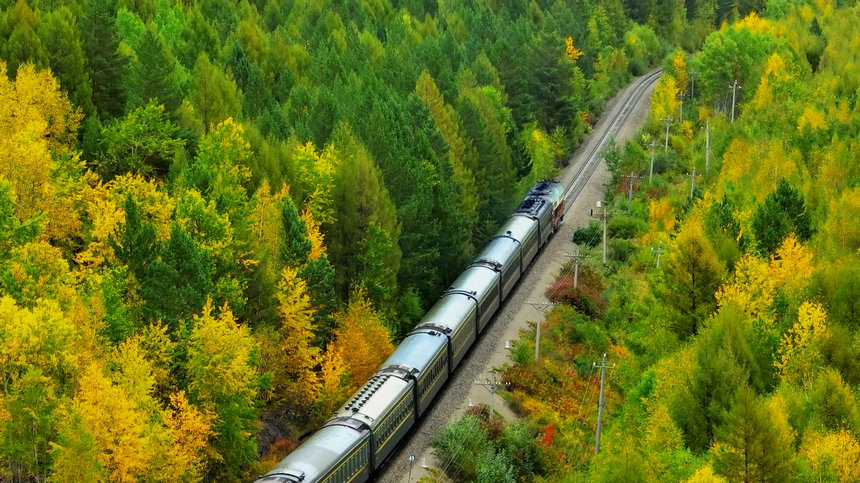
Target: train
x=357 y=440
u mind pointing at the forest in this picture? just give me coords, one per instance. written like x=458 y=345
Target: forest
x=728 y=308
x=216 y=217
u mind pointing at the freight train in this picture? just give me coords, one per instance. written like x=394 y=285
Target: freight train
x=362 y=434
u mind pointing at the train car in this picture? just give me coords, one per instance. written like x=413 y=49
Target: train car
x=424 y=354
x=338 y=452
x=386 y=404
x=456 y=316
x=544 y=204
x=502 y=254
x=483 y=285
x=358 y=439
x=524 y=230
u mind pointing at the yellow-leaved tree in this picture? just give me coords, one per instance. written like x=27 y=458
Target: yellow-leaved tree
x=223 y=379
x=316 y=180
x=664 y=101
x=361 y=339
x=679 y=69
x=799 y=357
x=836 y=453
x=36 y=121
x=103 y=435
x=288 y=351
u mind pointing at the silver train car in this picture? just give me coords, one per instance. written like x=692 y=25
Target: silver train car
x=362 y=434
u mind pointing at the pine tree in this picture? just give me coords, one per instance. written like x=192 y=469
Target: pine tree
x=106 y=65
x=153 y=75
x=693 y=275
x=748 y=447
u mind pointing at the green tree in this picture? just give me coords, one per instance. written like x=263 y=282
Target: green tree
x=185 y=271
x=144 y=141
x=28 y=434
x=222 y=375
x=213 y=95
x=361 y=201
x=106 y=65
x=136 y=242
x=154 y=74
x=23 y=45
x=692 y=275
x=748 y=448
x=296 y=247
x=60 y=35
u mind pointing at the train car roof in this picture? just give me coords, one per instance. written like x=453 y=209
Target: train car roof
x=320 y=452
x=476 y=280
x=517 y=227
x=450 y=311
x=499 y=250
x=370 y=402
x=417 y=350
x=549 y=189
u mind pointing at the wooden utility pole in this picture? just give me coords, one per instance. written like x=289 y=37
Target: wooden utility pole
x=603 y=368
x=491 y=384
x=668 y=120
x=707 y=145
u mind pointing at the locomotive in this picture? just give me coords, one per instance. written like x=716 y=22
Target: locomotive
x=362 y=434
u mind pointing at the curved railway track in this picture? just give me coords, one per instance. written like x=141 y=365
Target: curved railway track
x=452 y=399
x=586 y=169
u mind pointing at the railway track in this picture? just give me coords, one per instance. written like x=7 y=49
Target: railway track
x=586 y=169
x=454 y=398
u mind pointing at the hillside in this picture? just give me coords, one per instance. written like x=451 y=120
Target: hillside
x=216 y=217
x=728 y=303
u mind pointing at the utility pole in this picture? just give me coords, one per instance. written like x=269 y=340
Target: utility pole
x=693 y=82
x=604 y=215
x=681 y=106
x=577 y=259
x=707 y=145
x=630 y=179
x=540 y=307
x=735 y=86
x=668 y=120
x=658 y=251
x=651 y=169
x=491 y=384
x=693 y=177
x=603 y=368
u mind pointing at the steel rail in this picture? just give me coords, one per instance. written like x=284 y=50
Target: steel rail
x=586 y=169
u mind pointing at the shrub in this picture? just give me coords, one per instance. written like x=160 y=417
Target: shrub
x=625 y=227
x=590 y=235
